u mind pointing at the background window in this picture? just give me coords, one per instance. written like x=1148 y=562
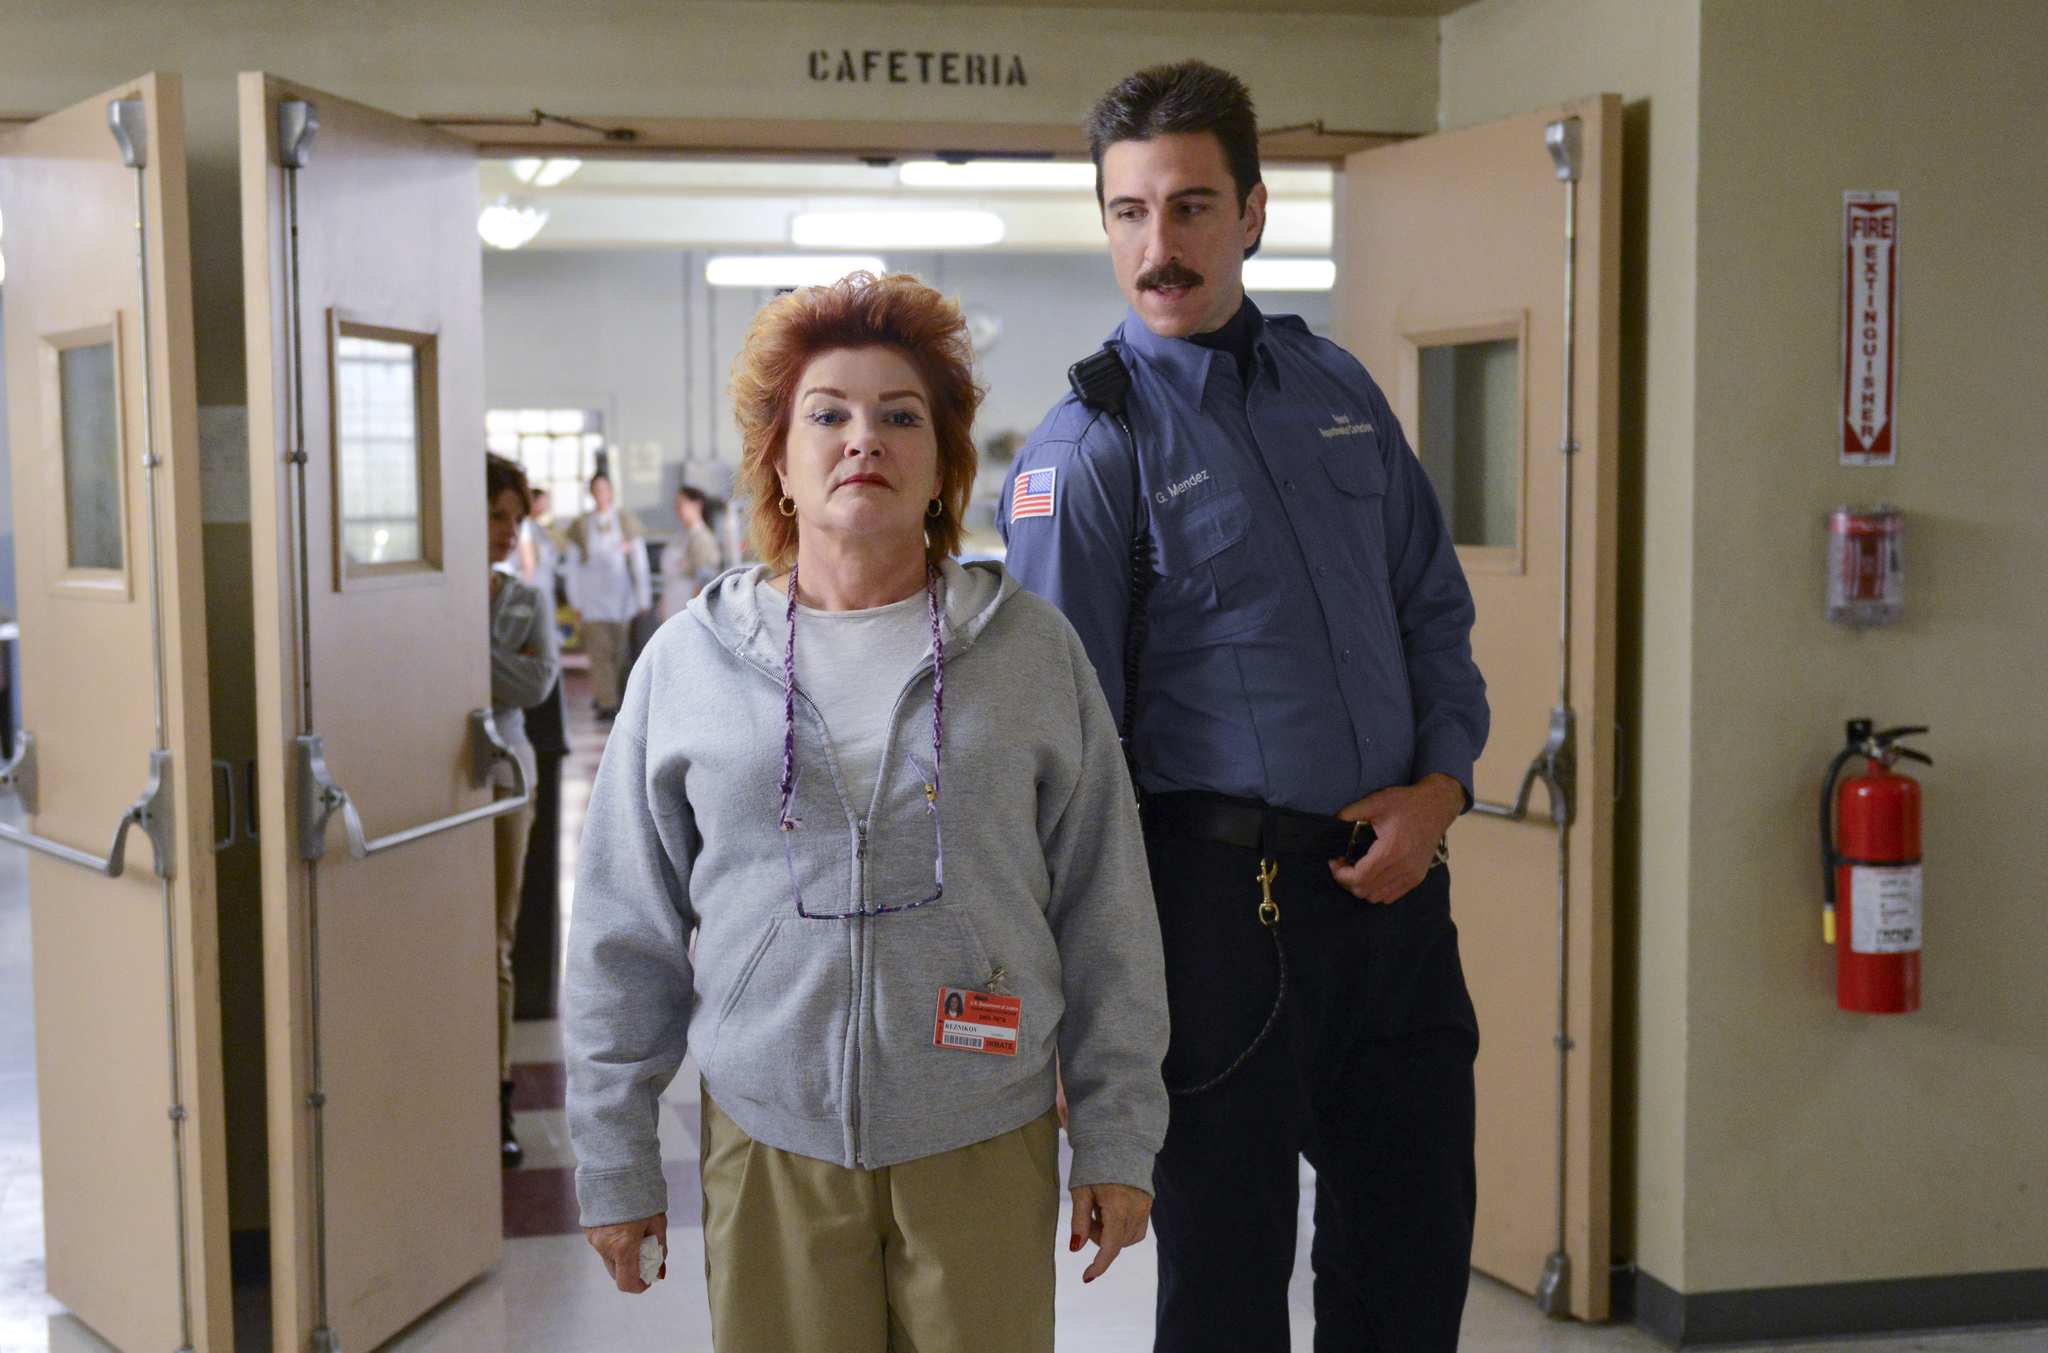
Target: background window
x=558 y=448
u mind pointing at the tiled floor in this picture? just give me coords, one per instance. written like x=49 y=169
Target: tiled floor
x=550 y=1293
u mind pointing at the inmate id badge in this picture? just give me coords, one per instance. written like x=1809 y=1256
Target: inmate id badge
x=977 y=1021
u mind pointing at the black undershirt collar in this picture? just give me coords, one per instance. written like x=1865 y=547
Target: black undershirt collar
x=1236 y=337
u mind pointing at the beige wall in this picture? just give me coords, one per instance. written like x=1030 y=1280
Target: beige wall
x=1822 y=1146
x=1777 y=1141
x=1501 y=57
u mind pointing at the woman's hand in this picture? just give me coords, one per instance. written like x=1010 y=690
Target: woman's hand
x=619 y=1244
x=1111 y=1215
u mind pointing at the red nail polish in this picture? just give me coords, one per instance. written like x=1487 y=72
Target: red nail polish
x=1073 y=1243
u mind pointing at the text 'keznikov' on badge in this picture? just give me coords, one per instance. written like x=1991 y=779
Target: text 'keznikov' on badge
x=975 y=1021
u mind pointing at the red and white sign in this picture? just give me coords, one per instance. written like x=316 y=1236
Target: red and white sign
x=1870 y=328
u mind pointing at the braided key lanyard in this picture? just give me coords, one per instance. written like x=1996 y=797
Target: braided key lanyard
x=931 y=789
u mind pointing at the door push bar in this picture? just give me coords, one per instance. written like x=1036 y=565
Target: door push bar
x=151 y=811
x=319 y=797
x=1557 y=766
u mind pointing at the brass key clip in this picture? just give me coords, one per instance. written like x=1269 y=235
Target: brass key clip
x=1269 y=910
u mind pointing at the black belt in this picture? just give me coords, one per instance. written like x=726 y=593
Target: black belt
x=1201 y=816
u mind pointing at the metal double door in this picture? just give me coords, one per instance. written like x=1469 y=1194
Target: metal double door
x=362 y=302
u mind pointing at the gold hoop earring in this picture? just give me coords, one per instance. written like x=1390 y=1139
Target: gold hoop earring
x=787 y=507
x=936 y=510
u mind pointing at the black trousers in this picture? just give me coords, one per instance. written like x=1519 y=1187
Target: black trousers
x=1368 y=1074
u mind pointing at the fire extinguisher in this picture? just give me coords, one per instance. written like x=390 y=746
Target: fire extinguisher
x=1870 y=854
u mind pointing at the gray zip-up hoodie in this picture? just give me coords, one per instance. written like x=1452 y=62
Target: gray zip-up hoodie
x=816 y=1036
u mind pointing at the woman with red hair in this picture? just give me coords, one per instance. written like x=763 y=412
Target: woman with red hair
x=863 y=843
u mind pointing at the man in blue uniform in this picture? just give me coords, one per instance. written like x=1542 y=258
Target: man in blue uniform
x=1303 y=723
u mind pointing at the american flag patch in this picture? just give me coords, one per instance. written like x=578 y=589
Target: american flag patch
x=1033 y=497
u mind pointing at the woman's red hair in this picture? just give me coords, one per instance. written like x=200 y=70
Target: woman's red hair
x=860 y=310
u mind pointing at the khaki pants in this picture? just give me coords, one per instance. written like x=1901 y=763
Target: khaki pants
x=605 y=642
x=511 y=832
x=952 y=1253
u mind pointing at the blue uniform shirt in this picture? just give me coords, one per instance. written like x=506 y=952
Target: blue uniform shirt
x=1310 y=630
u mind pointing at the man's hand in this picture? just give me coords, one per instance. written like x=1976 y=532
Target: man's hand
x=619 y=1244
x=1409 y=821
x=1111 y=1215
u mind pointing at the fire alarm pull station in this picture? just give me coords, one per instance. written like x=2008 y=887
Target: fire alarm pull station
x=1866 y=566
x=1870 y=858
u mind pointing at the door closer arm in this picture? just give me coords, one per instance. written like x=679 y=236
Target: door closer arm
x=319 y=797
x=1556 y=766
x=152 y=811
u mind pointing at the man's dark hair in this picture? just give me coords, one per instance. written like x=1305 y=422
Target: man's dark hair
x=1190 y=96
x=501 y=474
x=694 y=494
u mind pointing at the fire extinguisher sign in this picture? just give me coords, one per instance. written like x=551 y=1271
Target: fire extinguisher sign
x=1870 y=328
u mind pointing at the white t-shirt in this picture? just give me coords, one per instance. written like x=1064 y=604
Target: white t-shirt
x=852 y=665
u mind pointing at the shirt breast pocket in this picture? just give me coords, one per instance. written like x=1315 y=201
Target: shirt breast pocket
x=1211 y=586
x=1360 y=481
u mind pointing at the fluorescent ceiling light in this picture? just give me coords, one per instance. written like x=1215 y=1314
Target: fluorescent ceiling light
x=1289 y=274
x=505 y=226
x=787 y=270
x=895 y=229
x=995 y=174
x=544 y=173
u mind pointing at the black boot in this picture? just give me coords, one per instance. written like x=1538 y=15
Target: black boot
x=510 y=1151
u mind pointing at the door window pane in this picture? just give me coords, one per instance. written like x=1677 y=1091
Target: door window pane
x=377 y=435
x=90 y=407
x=1470 y=438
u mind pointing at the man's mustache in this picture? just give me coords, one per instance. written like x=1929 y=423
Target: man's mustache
x=1169 y=274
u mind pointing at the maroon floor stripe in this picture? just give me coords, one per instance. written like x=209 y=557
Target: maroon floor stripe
x=540 y=1202
x=538 y=1085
